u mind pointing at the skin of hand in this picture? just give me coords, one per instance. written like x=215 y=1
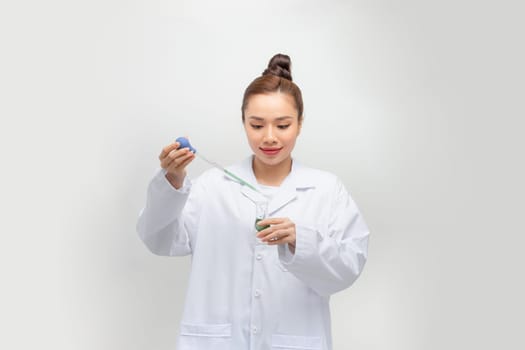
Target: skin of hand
x=281 y=231
x=174 y=161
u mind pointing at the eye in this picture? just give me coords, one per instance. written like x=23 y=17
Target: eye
x=254 y=126
x=283 y=126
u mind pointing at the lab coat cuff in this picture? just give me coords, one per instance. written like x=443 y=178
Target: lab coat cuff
x=163 y=184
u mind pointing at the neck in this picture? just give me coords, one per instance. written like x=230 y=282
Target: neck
x=271 y=175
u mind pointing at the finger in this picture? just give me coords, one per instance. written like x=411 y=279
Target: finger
x=277 y=236
x=165 y=162
x=173 y=156
x=178 y=162
x=166 y=150
x=185 y=163
x=272 y=228
x=272 y=231
x=263 y=233
x=283 y=237
x=272 y=221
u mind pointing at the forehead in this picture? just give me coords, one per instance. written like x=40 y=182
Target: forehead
x=271 y=106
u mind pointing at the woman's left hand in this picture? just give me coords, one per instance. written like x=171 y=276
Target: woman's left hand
x=281 y=231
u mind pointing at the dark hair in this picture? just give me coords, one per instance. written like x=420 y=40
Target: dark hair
x=276 y=78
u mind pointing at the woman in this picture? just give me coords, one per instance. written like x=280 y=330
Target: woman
x=251 y=289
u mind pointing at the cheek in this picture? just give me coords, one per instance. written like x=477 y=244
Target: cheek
x=291 y=138
x=252 y=137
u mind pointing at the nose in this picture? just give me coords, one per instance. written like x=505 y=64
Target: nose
x=269 y=136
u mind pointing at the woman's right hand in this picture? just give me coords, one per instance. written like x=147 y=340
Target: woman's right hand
x=174 y=160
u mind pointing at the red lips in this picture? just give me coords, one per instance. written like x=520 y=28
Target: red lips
x=271 y=151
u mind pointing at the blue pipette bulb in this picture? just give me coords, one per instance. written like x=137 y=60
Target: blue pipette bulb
x=184 y=142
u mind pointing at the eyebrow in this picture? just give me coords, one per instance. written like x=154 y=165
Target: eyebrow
x=278 y=118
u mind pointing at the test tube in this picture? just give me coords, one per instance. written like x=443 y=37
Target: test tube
x=261 y=212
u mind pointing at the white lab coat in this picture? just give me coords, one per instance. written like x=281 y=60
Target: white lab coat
x=246 y=295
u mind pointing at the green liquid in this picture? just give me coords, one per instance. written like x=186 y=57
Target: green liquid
x=260 y=228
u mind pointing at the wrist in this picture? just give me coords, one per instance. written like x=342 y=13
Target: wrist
x=174 y=180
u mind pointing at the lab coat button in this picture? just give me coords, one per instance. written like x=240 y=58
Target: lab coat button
x=254 y=330
x=257 y=293
x=259 y=256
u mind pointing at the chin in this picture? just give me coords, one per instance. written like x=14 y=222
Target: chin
x=271 y=161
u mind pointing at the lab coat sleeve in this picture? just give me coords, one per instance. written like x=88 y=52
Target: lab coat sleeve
x=166 y=222
x=330 y=257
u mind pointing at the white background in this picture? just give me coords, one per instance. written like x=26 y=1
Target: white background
x=416 y=105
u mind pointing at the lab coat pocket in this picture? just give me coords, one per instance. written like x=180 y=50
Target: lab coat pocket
x=205 y=336
x=295 y=342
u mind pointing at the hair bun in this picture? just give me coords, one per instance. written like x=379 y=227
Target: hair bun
x=279 y=65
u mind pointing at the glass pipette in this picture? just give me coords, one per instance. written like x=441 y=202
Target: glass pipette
x=185 y=143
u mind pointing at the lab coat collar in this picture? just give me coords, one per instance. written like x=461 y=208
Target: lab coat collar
x=298 y=179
